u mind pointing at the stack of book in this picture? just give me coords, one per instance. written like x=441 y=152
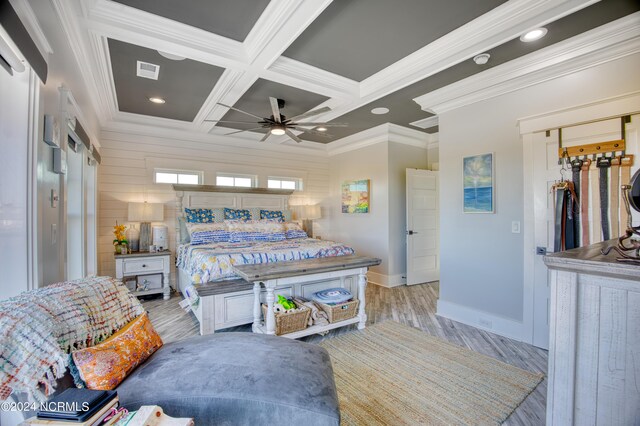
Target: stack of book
x=83 y=407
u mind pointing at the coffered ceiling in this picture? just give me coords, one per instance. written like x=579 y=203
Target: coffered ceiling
x=349 y=55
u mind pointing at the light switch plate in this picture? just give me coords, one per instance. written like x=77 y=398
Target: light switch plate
x=515 y=227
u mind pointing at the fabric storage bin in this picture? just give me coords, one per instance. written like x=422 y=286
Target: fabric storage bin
x=288 y=322
x=341 y=311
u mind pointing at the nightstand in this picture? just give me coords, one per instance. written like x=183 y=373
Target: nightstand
x=145 y=263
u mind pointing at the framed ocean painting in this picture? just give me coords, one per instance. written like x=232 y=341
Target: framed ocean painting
x=355 y=196
x=478 y=183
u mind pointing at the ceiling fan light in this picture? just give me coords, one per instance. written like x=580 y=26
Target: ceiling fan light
x=277 y=131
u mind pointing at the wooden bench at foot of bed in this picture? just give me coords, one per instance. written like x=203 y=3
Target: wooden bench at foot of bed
x=230 y=303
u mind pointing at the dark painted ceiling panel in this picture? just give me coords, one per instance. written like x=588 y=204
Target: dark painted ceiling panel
x=233 y=19
x=357 y=38
x=403 y=110
x=184 y=85
x=256 y=101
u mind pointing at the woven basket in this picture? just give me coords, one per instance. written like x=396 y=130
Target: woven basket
x=342 y=311
x=288 y=322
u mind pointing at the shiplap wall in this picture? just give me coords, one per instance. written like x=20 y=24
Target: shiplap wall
x=128 y=161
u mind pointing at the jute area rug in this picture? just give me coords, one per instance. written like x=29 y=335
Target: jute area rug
x=392 y=374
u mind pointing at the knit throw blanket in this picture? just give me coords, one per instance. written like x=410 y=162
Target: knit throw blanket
x=40 y=327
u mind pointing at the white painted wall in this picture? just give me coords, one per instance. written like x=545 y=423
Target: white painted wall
x=128 y=161
x=482 y=261
x=381 y=232
x=14 y=220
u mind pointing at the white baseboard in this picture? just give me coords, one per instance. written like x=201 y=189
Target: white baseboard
x=386 y=280
x=480 y=319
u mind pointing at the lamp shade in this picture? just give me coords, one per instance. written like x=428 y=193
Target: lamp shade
x=146 y=212
x=311 y=212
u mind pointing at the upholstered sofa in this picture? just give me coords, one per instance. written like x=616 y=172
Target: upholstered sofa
x=233 y=379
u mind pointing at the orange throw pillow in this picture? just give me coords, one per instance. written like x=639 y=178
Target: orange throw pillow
x=106 y=364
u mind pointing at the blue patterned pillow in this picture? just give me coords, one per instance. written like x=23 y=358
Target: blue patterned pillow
x=272 y=214
x=263 y=230
x=240 y=214
x=207 y=233
x=199 y=215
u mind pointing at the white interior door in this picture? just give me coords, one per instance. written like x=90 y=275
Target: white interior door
x=546 y=171
x=423 y=226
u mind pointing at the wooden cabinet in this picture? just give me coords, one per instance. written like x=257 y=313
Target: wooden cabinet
x=594 y=347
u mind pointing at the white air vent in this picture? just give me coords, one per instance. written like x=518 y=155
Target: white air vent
x=147 y=70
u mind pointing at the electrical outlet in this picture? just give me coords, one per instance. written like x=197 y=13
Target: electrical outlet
x=515 y=227
x=485 y=323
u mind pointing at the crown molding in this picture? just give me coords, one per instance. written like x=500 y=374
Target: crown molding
x=615 y=106
x=603 y=44
x=28 y=17
x=387 y=132
x=426 y=123
x=133 y=132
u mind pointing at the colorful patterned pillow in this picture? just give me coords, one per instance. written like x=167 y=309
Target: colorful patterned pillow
x=239 y=214
x=207 y=233
x=293 y=230
x=255 y=213
x=272 y=214
x=263 y=230
x=199 y=215
x=105 y=365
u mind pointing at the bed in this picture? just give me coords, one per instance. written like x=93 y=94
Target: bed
x=219 y=298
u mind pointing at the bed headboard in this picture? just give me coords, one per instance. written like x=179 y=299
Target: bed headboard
x=215 y=197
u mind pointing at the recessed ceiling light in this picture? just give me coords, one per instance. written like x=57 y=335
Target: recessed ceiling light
x=481 y=59
x=156 y=100
x=321 y=129
x=171 y=56
x=278 y=131
x=380 y=110
x=533 y=35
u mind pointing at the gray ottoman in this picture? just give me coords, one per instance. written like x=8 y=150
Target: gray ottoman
x=237 y=379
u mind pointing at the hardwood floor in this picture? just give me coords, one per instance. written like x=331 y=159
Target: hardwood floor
x=411 y=305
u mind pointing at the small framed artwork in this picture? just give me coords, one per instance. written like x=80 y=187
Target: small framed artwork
x=355 y=196
x=478 y=184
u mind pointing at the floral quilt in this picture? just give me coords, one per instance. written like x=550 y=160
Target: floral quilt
x=211 y=262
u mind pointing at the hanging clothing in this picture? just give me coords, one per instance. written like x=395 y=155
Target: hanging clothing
x=604 y=164
x=584 y=202
x=596 y=235
x=625 y=179
x=566 y=205
x=615 y=197
x=576 y=166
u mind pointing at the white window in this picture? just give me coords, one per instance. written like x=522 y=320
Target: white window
x=284 y=183
x=229 y=179
x=182 y=177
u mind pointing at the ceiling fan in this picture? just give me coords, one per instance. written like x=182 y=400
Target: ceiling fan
x=278 y=124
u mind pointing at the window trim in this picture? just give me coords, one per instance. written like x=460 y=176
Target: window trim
x=177 y=172
x=254 y=179
x=299 y=181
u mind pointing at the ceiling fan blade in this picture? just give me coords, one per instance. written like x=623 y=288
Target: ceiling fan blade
x=323 y=124
x=239 y=110
x=275 y=109
x=310 y=113
x=234 y=122
x=240 y=131
x=265 y=136
x=313 y=132
x=292 y=135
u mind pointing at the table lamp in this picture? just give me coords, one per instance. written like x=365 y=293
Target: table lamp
x=308 y=214
x=145 y=213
